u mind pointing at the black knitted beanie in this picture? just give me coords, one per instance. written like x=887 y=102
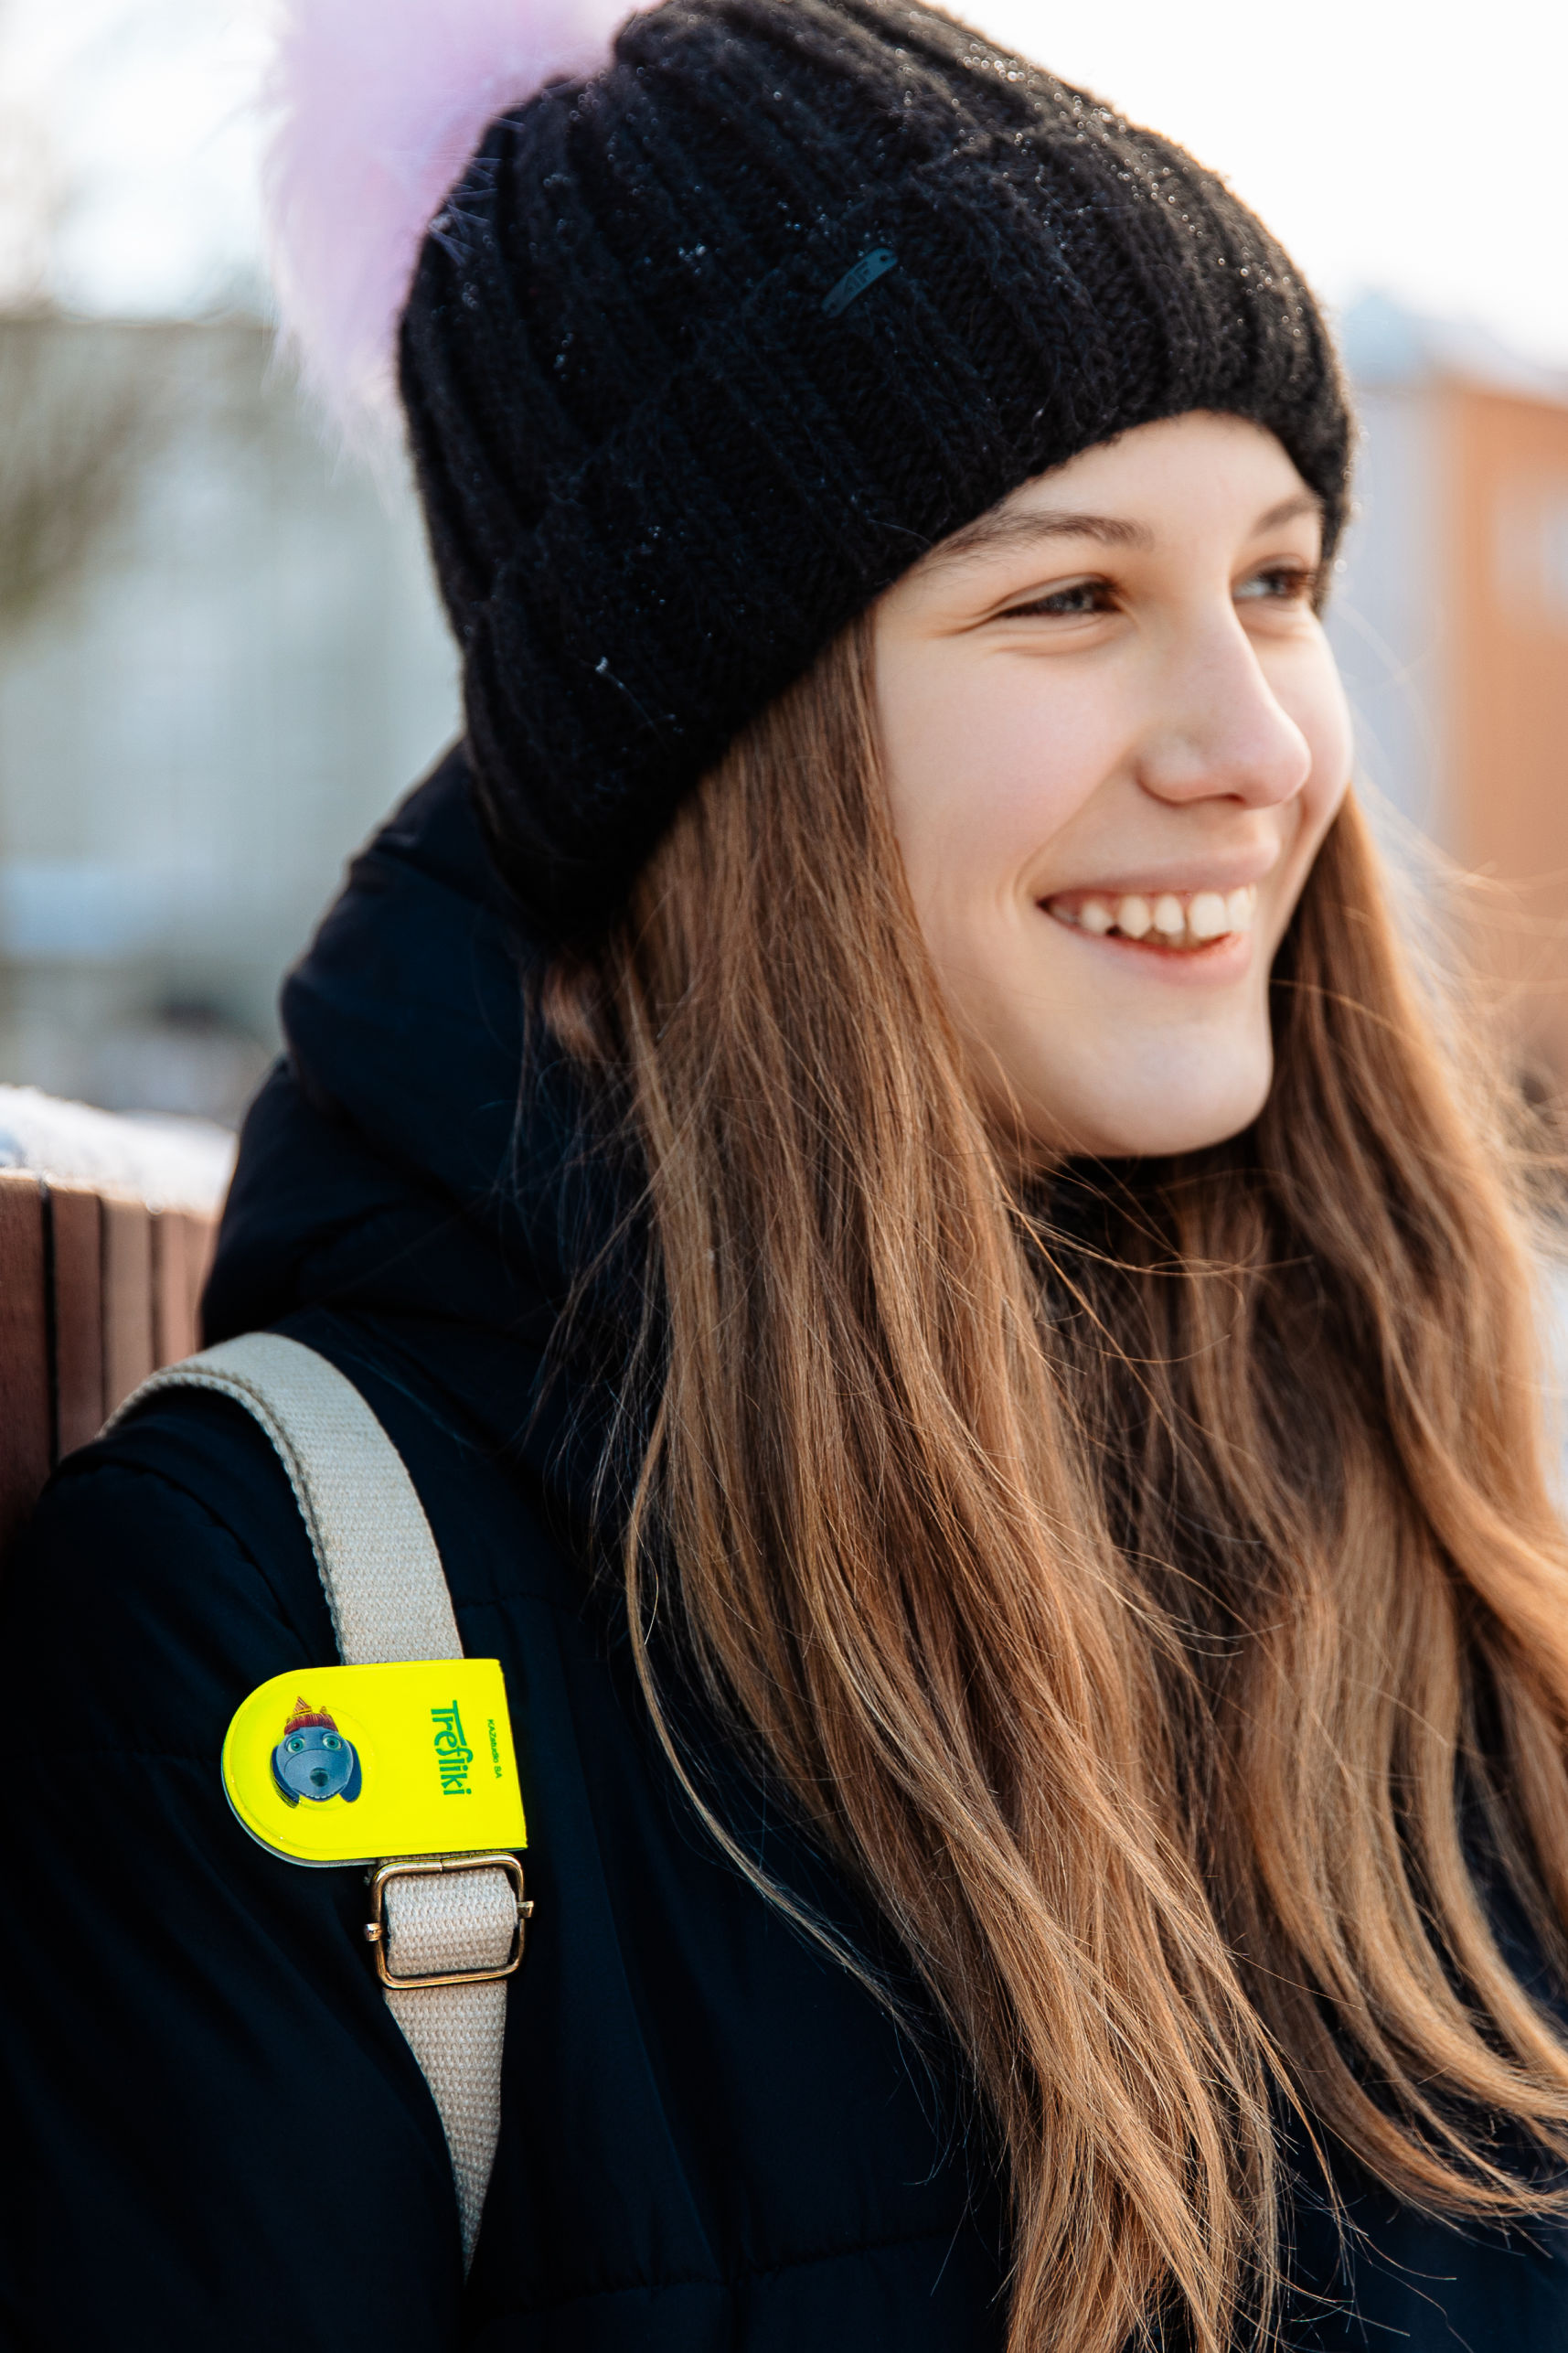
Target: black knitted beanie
x=702 y=353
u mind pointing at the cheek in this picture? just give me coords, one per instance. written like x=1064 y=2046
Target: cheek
x=982 y=771
x=1323 y=715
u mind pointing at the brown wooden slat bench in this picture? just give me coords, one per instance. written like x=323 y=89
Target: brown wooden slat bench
x=97 y=1288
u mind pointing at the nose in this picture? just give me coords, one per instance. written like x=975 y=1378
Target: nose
x=1221 y=733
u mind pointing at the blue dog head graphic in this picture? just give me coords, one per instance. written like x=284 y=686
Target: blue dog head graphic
x=313 y=1761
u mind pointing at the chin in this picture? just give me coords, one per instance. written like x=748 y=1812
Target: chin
x=1169 y=1119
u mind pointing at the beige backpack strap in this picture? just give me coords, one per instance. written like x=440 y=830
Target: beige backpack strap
x=436 y=1920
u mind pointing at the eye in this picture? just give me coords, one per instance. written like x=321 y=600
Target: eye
x=296 y=1744
x=330 y=1740
x=1075 y=601
x=1278 y=583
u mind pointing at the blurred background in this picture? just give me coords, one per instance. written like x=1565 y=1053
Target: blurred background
x=221 y=659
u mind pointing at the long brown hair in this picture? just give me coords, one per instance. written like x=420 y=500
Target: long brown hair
x=1144 y=1582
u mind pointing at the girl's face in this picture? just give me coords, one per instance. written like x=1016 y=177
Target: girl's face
x=1115 y=737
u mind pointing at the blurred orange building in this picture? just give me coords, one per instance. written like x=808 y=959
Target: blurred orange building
x=1452 y=627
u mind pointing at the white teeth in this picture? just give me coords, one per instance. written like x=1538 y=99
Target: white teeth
x=1190 y=921
x=1207 y=917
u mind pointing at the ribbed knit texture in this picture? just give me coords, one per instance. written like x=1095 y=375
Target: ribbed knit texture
x=662 y=468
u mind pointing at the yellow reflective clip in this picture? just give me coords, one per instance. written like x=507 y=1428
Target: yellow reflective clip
x=357 y=1764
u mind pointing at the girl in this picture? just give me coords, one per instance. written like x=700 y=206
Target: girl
x=961 y=1326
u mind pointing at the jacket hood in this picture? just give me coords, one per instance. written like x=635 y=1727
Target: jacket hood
x=415 y=1156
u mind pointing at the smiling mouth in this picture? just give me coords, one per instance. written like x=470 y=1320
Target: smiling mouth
x=1187 y=921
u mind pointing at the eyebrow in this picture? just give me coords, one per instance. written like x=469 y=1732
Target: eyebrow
x=1021 y=529
x=1304 y=502
x=1000 y=530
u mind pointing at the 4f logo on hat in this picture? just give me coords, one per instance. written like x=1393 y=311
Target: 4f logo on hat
x=313 y=1761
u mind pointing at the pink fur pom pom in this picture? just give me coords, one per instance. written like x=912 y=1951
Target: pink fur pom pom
x=378 y=104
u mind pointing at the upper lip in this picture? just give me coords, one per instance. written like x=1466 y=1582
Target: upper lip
x=1189 y=874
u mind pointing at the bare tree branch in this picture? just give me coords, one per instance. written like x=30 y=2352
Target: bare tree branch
x=72 y=433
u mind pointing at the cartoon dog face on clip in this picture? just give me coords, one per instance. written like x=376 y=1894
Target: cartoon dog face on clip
x=313 y=1761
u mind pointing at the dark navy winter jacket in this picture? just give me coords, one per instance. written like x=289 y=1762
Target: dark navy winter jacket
x=712 y=2140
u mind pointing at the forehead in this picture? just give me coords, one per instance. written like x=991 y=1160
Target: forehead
x=1145 y=487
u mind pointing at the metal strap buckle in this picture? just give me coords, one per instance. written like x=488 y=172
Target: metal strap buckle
x=376 y=1927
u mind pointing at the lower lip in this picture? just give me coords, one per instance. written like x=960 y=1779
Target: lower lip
x=1221 y=960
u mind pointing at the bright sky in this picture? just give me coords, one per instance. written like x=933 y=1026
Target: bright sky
x=1416 y=145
